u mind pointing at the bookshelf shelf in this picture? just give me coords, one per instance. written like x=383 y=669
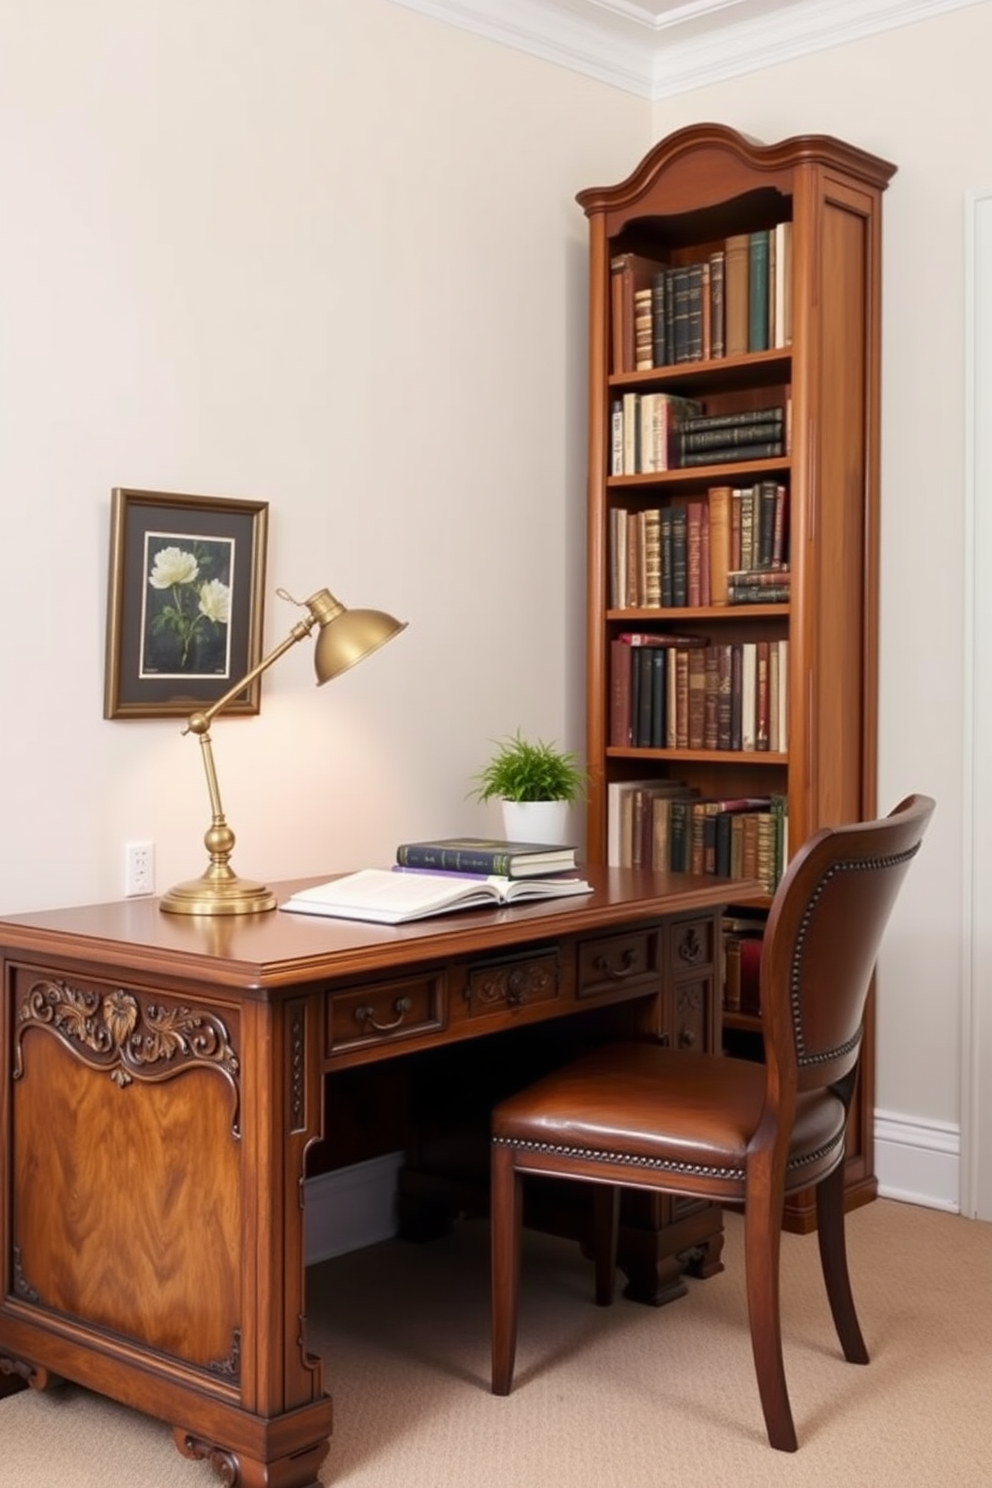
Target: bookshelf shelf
x=755 y=369
x=718 y=614
x=761 y=757
x=698 y=475
x=667 y=293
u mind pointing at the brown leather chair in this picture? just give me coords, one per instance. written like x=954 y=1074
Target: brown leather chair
x=726 y=1129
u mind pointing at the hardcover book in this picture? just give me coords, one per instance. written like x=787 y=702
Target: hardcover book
x=757 y=320
x=717 y=334
x=775 y=414
x=392 y=896
x=735 y=290
x=486 y=855
x=629 y=272
x=726 y=454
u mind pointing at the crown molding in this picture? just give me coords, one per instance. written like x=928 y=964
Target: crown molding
x=657 y=52
x=615 y=52
x=798 y=30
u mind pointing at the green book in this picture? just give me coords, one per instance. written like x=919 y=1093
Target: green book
x=757 y=300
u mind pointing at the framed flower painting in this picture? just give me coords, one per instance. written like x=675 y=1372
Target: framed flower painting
x=185 y=607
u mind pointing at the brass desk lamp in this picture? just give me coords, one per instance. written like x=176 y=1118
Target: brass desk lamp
x=344 y=638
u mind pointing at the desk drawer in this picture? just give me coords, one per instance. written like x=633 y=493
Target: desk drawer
x=616 y=961
x=385 y=1012
x=513 y=982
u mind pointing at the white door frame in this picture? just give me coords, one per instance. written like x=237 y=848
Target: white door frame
x=976 y=985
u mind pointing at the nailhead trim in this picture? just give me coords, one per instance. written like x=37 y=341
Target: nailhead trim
x=627 y=1159
x=851 y=865
x=658 y=1164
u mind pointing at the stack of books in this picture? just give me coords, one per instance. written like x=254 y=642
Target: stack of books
x=719 y=438
x=486 y=855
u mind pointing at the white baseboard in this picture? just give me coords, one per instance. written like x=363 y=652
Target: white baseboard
x=917 y=1162
x=351 y=1207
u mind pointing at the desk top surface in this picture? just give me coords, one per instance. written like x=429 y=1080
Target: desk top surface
x=273 y=950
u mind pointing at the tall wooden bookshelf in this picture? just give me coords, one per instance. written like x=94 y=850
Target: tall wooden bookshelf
x=691 y=193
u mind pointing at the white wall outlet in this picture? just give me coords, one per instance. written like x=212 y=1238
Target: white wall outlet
x=139 y=868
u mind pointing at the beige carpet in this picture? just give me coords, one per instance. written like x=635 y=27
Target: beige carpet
x=626 y=1397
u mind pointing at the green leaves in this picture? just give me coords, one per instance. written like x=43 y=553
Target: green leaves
x=524 y=771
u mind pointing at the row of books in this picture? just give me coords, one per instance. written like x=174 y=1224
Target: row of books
x=727 y=547
x=735 y=299
x=680 y=692
x=669 y=827
x=654 y=432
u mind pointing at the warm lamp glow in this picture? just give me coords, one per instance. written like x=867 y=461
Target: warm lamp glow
x=344 y=638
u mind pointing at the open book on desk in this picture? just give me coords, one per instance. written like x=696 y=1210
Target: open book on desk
x=392 y=896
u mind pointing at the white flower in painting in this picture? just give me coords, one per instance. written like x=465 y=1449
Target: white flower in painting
x=173 y=566
x=215 y=601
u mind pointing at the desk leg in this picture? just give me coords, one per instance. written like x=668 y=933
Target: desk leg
x=298 y=1469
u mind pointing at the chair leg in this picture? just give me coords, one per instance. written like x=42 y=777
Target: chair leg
x=506 y=1213
x=833 y=1259
x=762 y=1233
x=606 y=1226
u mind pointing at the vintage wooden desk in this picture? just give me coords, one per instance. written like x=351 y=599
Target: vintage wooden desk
x=161 y=1081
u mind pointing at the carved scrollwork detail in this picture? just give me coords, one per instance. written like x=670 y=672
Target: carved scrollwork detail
x=115 y=1031
x=21 y=1288
x=223 y=1462
x=513 y=984
x=689 y=998
x=297 y=1067
x=34 y=1375
x=229 y=1368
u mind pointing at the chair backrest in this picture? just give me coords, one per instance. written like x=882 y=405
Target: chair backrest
x=821 y=942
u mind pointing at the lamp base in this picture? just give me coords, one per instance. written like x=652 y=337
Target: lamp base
x=218 y=893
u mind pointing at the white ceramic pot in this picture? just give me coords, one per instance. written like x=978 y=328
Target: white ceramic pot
x=536 y=821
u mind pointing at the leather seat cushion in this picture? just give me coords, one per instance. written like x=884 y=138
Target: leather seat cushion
x=676 y=1108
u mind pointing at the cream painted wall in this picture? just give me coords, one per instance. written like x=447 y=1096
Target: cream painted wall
x=323 y=253
x=918 y=96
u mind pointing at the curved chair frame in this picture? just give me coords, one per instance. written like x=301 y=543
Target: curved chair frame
x=724 y=1129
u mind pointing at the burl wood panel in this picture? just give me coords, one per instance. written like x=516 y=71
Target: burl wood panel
x=131 y=1218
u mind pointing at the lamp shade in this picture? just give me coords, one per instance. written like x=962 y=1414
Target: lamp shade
x=347 y=635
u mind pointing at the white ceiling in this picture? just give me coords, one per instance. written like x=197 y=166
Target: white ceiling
x=661 y=49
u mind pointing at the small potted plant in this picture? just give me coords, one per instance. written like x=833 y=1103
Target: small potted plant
x=536 y=782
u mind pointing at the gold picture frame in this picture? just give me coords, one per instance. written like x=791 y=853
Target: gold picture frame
x=185 y=603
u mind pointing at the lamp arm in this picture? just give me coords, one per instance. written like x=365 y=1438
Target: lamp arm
x=200 y=721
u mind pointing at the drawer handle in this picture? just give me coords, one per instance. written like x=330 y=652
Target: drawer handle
x=366 y=1015
x=687 y=1038
x=691 y=948
x=627 y=967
